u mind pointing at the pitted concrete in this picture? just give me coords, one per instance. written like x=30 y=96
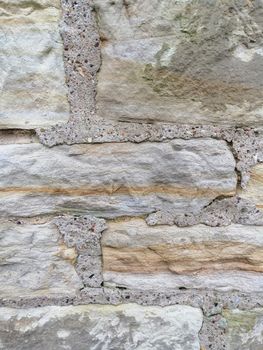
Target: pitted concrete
x=84 y=234
x=221 y=212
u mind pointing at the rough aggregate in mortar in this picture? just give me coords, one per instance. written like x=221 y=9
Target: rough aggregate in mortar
x=82 y=62
x=213 y=332
x=84 y=234
x=221 y=212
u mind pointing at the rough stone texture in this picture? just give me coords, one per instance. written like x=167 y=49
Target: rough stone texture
x=221 y=212
x=245 y=329
x=247 y=148
x=186 y=61
x=33 y=91
x=213 y=333
x=101 y=327
x=138 y=179
x=206 y=80
x=254 y=190
x=82 y=61
x=84 y=234
x=210 y=301
x=227 y=258
x=34 y=262
x=82 y=58
x=246 y=144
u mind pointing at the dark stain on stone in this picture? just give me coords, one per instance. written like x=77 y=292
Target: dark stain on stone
x=203 y=68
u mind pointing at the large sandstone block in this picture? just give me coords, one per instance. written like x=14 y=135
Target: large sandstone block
x=33 y=91
x=101 y=327
x=221 y=258
x=34 y=262
x=114 y=179
x=245 y=329
x=181 y=61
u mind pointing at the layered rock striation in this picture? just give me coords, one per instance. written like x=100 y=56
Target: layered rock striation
x=130 y=174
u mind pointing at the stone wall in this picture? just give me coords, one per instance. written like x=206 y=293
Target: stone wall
x=131 y=174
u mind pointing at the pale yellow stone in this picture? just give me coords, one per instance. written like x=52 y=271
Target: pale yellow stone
x=34 y=262
x=200 y=257
x=32 y=79
x=254 y=189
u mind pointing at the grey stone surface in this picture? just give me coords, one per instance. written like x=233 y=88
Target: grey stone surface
x=84 y=234
x=33 y=90
x=198 y=62
x=180 y=174
x=245 y=329
x=101 y=327
x=246 y=144
x=34 y=262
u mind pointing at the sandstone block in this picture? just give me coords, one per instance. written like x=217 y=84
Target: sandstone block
x=101 y=327
x=114 y=179
x=221 y=258
x=34 y=262
x=33 y=91
x=196 y=62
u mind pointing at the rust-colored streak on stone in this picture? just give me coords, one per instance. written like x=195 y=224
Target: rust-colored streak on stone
x=121 y=190
x=257 y=177
x=184 y=258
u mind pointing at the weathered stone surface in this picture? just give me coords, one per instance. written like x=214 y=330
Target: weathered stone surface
x=254 y=190
x=221 y=258
x=186 y=61
x=34 y=262
x=114 y=180
x=245 y=329
x=101 y=327
x=33 y=91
